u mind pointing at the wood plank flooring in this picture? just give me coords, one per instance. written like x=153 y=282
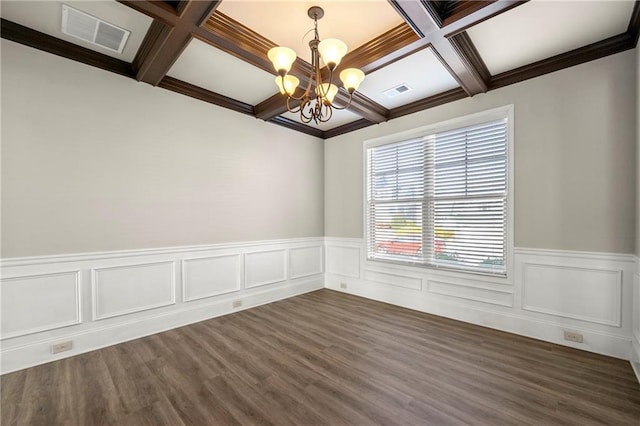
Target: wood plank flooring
x=326 y=358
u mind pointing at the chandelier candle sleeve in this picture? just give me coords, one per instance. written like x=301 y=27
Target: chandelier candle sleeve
x=316 y=103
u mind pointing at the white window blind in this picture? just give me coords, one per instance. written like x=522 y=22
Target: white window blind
x=440 y=200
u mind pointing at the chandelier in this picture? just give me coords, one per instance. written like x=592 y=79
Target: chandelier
x=316 y=103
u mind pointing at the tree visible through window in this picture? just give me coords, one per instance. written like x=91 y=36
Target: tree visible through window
x=441 y=199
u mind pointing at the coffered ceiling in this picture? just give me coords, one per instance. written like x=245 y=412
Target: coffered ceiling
x=441 y=51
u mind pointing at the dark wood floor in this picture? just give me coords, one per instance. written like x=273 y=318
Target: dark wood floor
x=326 y=358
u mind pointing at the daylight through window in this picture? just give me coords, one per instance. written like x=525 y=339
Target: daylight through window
x=440 y=200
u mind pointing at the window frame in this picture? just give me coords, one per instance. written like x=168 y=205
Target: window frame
x=504 y=112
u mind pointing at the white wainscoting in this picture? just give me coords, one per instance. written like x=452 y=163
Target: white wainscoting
x=549 y=292
x=35 y=303
x=343 y=257
x=265 y=267
x=567 y=291
x=395 y=279
x=210 y=276
x=467 y=289
x=635 y=351
x=101 y=299
x=120 y=290
x=305 y=261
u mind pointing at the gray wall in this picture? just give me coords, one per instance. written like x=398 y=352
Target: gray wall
x=637 y=151
x=92 y=161
x=575 y=158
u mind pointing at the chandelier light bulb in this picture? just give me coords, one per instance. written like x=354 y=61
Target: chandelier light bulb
x=351 y=79
x=282 y=59
x=290 y=84
x=327 y=92
x=332 y=51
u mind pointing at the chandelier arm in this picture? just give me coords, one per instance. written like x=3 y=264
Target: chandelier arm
x=346 y=106
x=329 y=111
x=301 y=98
x=294 y=109
x=313 y=110
x=307 y=91
x=319 y=81
x=304 y=117
x=291 y=96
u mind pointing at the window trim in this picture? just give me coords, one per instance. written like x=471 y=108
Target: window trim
x=507 y=112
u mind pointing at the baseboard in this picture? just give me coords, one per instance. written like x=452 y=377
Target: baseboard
x=38 y=352
x=635 y=346
x=636 y=369
x=635 y=357
x=635 y=354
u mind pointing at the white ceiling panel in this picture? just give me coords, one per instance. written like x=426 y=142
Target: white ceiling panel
x=541 y=28
x=338 y=118
x=46 y=17
x=286 y=23
x=215 y=70
x=422 y=72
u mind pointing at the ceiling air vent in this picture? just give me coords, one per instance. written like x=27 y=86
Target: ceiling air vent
x=88 y=28
x=394 y=91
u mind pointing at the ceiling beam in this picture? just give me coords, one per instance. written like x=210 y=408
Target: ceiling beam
x=388 y=47
x=634 y=24
x=429 y=102
x=459 y=66
x=400 y=42
x=461 y=9
x=480 y=12
x=443 y=33
x=205 y=95
x=32 y=38
x=297 y=126
x=346 y=128
x=417 y=106
x=232 y=37
x=467 y=51
x=153 y=41
x=167 y=37
x=600 y=49
x=158 y=10
x=610 y=46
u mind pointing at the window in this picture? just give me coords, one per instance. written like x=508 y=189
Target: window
x=440 y=198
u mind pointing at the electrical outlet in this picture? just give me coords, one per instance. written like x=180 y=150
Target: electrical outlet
x=236 y=303
x=573 y=337
x=61 y=347
x=343 y=285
